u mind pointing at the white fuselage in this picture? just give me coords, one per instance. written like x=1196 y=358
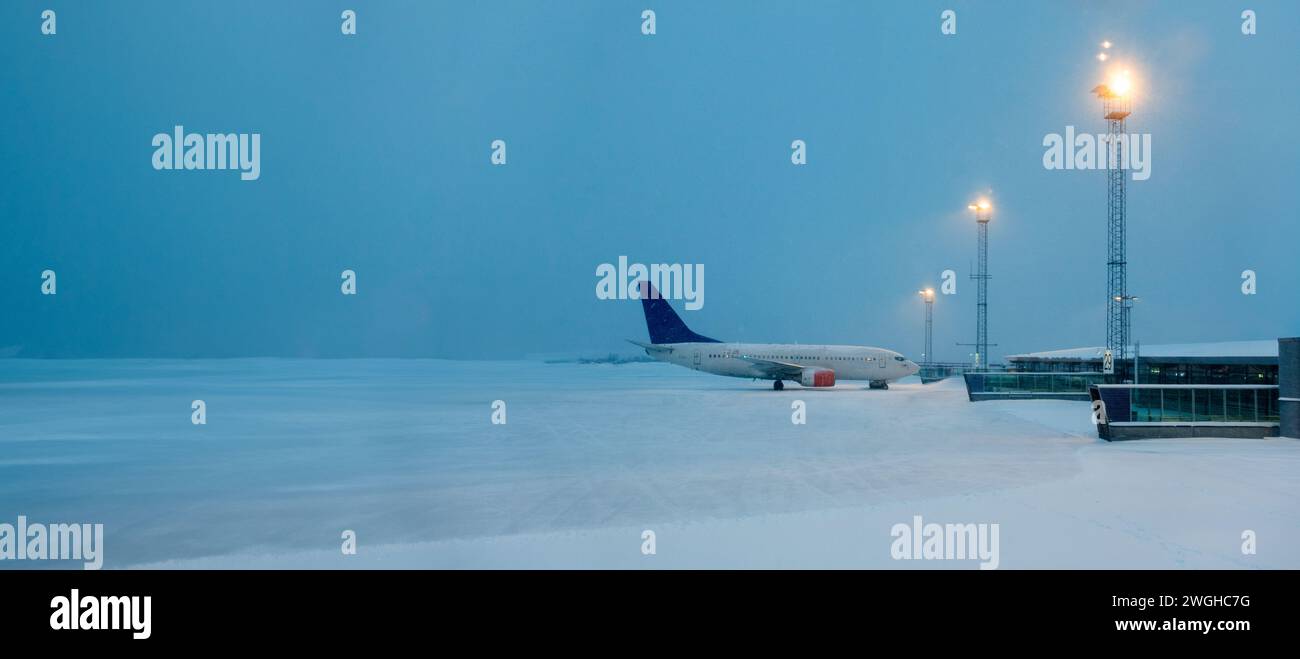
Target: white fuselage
x=848 y=362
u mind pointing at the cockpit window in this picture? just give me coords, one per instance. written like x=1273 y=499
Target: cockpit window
x=898 y=359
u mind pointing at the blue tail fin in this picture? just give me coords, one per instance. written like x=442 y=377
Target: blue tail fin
x=664 y=324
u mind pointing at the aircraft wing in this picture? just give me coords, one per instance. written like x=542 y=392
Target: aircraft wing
x=772 y=367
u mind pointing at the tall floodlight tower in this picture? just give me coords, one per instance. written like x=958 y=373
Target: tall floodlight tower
x=1116 y=106
x=983 y=213
x=928 y=296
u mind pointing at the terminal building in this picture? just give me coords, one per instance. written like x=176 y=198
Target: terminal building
x=1232 y=362
x=1067 y=374
x=1230 y=389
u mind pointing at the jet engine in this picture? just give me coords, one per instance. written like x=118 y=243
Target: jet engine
x=817 y=377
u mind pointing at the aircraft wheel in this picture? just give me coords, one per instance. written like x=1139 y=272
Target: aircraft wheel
x=778 y=385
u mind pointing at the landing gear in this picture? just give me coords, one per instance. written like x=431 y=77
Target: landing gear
x=879 y=384
x=778 y=385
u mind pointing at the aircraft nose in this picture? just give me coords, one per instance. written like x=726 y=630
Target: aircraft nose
x=912 y=367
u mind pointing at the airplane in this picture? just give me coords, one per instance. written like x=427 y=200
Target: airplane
x=810 y=365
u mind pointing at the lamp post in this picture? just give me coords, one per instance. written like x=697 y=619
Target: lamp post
x=983 y=213
x=928 y=295
x=1126 y=303
x=1116 y=105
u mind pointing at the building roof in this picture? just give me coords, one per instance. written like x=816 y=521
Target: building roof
x=1234 y=349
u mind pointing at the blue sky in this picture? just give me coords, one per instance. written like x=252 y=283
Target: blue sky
x=672 y=148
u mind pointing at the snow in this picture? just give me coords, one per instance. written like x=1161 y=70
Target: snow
x=404 y=453
x=1267 y=348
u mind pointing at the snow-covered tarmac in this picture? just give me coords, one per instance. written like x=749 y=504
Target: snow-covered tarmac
x=404 y=453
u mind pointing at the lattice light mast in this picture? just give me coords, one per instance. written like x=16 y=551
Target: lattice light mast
x=1117 y=105
x=983 y=213
x=928 y=295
